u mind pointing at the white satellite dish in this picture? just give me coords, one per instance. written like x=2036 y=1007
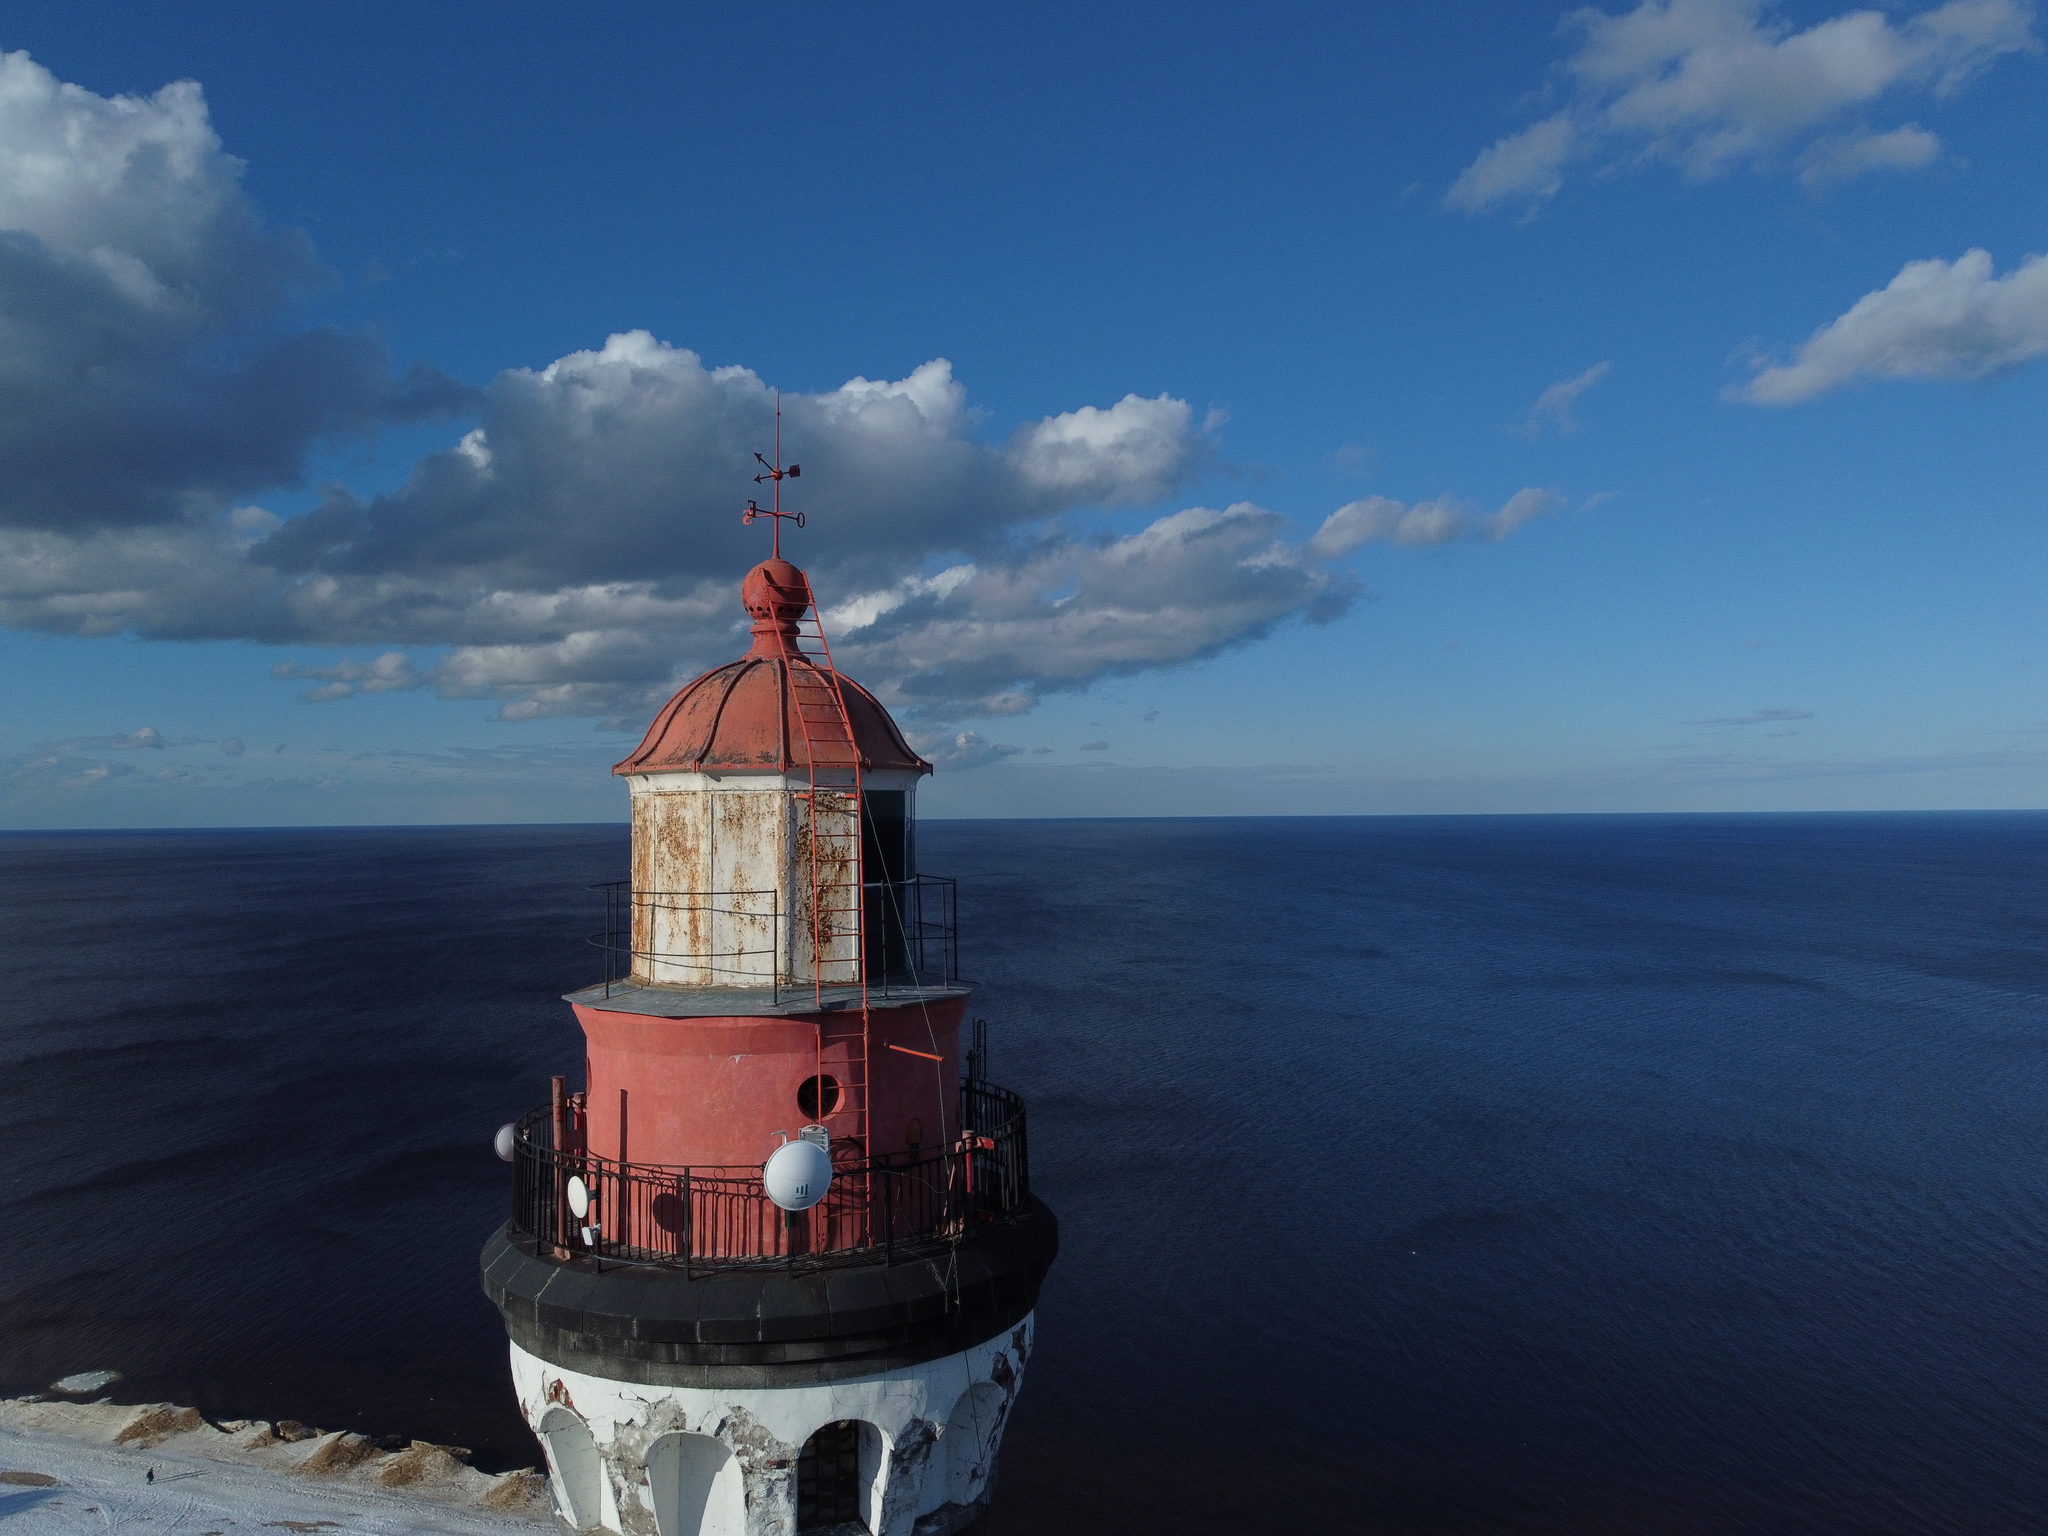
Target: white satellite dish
x=797 y=1175
x=579 y=1197
x=502 y=1143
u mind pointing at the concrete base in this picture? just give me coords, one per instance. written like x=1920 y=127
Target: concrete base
x=646 y=1460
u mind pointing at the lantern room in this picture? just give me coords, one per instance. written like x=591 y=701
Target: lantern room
x=777 y=959
x=774 y=814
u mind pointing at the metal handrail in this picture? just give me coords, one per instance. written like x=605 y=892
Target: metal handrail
x=918 y=925
x=706 y=1219
x=621 y=902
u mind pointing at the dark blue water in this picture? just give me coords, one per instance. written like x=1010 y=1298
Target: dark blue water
x=1426 y=1175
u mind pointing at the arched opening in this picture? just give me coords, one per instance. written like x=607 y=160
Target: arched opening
x=573 y=1463
x=838 y=1477
x=697 y=1487
x=970 y=1442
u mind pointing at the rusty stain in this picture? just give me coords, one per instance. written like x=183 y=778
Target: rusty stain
x=699 y=915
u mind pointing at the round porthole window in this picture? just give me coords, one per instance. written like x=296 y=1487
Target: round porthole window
x=818 y=1096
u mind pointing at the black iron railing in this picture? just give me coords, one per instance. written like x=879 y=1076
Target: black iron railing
x=706 y=1219
x=912 y=928
x=748 y=922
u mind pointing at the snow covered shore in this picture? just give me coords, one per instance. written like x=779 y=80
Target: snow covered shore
x=99 y=1467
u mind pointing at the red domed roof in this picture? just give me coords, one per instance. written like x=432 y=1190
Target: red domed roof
x=743 y=717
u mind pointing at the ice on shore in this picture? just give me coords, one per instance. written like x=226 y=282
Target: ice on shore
x=70 y=1468
x=85 y=1383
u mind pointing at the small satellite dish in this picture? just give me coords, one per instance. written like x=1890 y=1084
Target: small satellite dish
x=579 y=1197
x=797 y=1175
x=502 y=1143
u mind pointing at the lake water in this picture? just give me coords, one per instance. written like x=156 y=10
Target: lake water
x=1417 y=1175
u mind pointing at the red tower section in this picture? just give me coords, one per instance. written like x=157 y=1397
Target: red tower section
x=788 y=785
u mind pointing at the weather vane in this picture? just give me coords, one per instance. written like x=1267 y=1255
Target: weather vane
x=775 y=474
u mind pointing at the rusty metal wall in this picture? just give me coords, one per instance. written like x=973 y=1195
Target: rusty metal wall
x=724 y=882
x=837 y=880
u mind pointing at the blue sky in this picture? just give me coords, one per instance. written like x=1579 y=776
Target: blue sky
x=1204 y=411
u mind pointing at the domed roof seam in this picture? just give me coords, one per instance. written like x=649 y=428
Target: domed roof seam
x=690 y=731
x=732 y=683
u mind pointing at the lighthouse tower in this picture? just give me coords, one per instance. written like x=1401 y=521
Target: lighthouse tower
x=772 y=1268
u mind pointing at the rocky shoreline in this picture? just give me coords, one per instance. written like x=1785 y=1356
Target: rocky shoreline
x=68 y=1466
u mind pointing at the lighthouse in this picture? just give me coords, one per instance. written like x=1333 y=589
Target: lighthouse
x=773 y=1257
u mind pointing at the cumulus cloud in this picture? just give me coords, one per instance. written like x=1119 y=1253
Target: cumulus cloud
x=1710 y=85
x=1554 y=405
x=1935 y=320
x=142 y=379
x=1440 y=520
x=1059 y=612
x=578 y=551
x=584 y=537
x=963 y=749
x=390 y=673
x=1137 y=450
x=625 y=459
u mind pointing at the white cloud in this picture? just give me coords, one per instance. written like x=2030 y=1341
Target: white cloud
x=1059 y=612
x=1844 y=156
x=1138 y=450
x=1382 y=517
x=1709 y=85
x=1529 y=164
x=626 y=460
x=1554 y=405
x=1440 y=520
x=141 y=376
x=1935 y=320
x=1520 y=509
x=579 y=552
x=964 y=749
x=390 y=673
x=578 y=549
x=862 y=609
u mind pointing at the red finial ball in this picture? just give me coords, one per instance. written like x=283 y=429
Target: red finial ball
x=776 y=590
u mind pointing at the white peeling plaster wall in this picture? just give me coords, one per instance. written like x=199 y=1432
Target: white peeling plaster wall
x=914 y=1411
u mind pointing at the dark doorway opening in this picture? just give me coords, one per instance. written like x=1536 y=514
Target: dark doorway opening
x=888 y=863
x=828 y=1478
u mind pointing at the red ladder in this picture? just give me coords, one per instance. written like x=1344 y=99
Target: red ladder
x=833 y=858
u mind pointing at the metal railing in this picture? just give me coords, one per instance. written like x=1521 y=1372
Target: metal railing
x=913 y=927
x=701 y=1219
